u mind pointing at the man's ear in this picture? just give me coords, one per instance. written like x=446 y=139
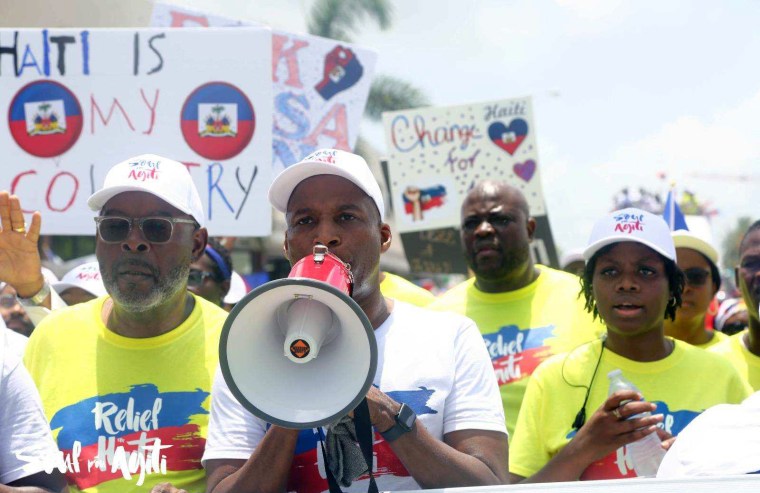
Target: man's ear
x=385 y=237
x=285 y=251
x=736 y=276
x=200 y=239
x=531 y=228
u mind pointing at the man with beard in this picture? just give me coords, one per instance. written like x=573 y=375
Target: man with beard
x=526 y=312
x=125 y=379
x=13 y=313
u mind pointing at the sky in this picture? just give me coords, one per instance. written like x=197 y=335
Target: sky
x=623 y=91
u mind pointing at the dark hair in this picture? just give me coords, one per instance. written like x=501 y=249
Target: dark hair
x=753 y=227
x=676 y=281
x=225 y=256
x=714 y=272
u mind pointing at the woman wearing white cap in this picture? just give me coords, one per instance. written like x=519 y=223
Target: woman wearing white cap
x=632 y=283
x=697 y=259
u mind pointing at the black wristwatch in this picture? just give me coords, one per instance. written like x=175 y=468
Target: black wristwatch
x=404 y=422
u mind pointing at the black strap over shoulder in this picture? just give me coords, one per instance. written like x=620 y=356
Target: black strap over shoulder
x=364 y=434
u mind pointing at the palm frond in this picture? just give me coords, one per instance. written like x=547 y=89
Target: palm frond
x=390 y=94
x=337 y=19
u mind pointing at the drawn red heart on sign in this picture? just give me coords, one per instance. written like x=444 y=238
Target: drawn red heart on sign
x=525 y=170
x=509 y=137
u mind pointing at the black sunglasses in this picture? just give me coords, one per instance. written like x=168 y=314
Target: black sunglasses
x=696 y=276
x=196 y=277
x=8 y=300
x=115 y=229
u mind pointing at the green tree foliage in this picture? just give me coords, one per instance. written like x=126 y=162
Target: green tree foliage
x=730 y=245
x=391 y=93
x=339 y=19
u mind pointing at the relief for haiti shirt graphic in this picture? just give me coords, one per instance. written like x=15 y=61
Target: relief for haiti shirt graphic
x=130 y=435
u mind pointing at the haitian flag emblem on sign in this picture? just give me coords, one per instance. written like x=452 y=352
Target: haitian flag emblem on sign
x=45 y=118
x=218 y=120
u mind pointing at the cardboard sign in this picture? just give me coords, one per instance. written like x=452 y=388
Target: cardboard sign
x=81 y=100
x=320 y=86
x=436 y=155
x=436 y=251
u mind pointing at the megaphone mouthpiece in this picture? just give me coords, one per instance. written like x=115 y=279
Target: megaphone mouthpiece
x=307 y=318
x=307 y=325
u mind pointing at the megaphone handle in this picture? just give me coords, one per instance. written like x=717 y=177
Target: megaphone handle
x=363 y=427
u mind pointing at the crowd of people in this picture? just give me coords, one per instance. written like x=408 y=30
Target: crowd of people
x=111 y=378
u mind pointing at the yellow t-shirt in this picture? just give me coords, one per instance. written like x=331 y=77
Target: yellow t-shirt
x=718 y=337
x=555 y=395
x=398 y=288
x=522 y=328
x=108 y=396
x=736 y=352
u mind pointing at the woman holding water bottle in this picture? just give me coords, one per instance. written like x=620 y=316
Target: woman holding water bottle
x=631 y=281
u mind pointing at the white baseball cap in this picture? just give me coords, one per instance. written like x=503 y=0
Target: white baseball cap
x=326 y=162
x=574 y=255
x=85 y=276
x=631 y=225
x=686 y=239
x=165 y=178
x=238 y=289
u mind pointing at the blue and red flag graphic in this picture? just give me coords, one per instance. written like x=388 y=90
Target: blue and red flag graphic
x=307 y=470
x=618 y=464
x=102 y=438
x=509 y=137
x=218 y=120
x=516 y=353
x=342 y=70
x=418 y=200
x=45 y=118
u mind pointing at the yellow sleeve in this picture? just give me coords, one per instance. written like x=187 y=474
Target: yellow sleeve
x=738 y=388
x=527 y=451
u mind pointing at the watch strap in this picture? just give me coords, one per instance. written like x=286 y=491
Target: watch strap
x=38 y=297
x=405 y=419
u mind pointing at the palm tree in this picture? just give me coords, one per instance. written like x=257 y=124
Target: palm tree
x=337 y=19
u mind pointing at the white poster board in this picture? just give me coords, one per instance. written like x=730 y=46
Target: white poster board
x=77 y=101
x=320 y=86
x=436 y=155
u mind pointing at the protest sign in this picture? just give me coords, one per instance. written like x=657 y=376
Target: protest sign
x=80 y=100
x=320 y=86
x=436 y=155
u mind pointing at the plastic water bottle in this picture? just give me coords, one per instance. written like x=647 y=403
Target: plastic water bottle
x=645 y=453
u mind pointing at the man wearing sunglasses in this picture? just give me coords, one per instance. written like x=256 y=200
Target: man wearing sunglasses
x=125 y=379
x=210 y=275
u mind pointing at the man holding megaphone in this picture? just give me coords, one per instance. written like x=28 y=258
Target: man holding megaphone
x=432 y=398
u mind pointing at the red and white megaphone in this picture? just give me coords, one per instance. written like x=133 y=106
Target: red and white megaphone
x=299 y=352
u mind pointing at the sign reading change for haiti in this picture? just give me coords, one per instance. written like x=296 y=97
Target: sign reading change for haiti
x=74 y=102
x=436 y=155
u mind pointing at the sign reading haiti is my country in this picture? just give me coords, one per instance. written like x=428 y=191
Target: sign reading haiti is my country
x=74 y=102
x=320 y=86
x=436 y=155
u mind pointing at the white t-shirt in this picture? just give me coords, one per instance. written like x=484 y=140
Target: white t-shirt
x=722 y=441
x=15 y=343
x=435 y=362
x=26 y=444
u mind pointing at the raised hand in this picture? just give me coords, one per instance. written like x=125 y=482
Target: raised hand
x=19 y=256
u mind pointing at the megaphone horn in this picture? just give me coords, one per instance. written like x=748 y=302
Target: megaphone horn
x=300 y=352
